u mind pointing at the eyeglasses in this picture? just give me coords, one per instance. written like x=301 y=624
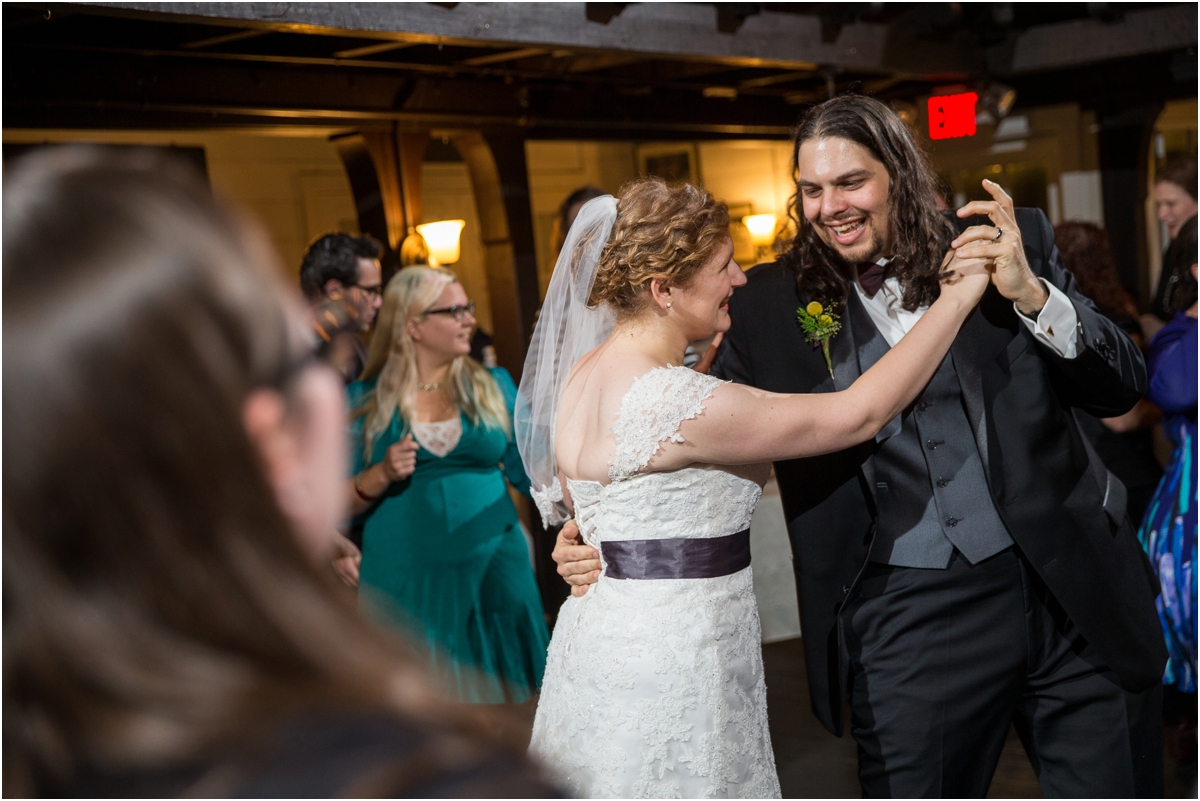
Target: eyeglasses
x=455 y=311
x=374 y=291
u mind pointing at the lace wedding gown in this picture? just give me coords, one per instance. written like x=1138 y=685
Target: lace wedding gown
x=654 y=688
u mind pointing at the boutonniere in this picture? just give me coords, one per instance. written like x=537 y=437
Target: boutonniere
x=819 y=326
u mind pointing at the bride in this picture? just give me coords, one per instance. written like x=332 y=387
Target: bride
x=654 y=681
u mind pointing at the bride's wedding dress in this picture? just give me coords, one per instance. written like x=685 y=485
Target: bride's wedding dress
x=654 y=686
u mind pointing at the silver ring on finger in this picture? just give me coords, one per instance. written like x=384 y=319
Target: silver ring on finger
x=999 y=233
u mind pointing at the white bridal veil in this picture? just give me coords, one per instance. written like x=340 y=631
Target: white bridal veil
x=566 y=329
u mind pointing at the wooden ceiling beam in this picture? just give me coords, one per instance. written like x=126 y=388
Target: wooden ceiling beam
x=656 y=30
x=134 y=114
x=771 y=80
x=213 y=41
x=106 y=89
x=499 y=58
x=592 y=62
x=371 y=50
x=675 y=70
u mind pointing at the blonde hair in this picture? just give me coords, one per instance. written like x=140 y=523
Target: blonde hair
x=393 y=358
x=662 y=232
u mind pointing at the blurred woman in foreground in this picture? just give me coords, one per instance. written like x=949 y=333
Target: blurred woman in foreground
x=172 y=464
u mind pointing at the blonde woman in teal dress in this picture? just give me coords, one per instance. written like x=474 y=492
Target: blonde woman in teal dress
x=444 y=558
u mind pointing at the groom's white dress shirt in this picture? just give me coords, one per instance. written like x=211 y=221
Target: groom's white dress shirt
x=1056 y=324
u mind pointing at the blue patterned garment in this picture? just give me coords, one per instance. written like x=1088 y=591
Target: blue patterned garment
x=1168 y=532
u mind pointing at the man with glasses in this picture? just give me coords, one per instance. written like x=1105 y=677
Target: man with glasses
x=341 y=276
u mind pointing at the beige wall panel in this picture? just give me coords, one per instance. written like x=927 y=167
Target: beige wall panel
x=754 y=173
x=556 y=169
x=323 y=199
x=617 y=164
x=752 y=177
x=292 y=180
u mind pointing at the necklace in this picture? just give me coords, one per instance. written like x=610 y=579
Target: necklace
x=428 y=387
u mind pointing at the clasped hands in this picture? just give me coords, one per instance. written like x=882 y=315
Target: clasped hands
x=1000 y=249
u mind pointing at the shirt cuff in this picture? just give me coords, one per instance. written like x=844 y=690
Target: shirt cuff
x=1057 y=324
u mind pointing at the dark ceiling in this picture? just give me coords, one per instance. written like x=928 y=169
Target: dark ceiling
x=108 y=66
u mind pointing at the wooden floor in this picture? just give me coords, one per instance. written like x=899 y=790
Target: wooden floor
x=813 y=763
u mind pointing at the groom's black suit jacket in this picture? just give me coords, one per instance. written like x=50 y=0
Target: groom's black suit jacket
x=1063 y=509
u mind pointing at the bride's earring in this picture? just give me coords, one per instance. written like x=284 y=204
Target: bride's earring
x=668 y=304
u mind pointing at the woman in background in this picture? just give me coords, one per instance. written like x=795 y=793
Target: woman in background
x=443 y=553
x=1124 y=443
x=1169 y=530
x=1175 y=207
x=173 y=462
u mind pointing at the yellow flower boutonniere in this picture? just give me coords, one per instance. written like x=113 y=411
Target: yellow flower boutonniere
x=819 y=326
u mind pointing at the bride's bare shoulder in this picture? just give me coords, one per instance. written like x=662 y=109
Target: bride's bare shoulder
x=591 y=401
x=604 y=371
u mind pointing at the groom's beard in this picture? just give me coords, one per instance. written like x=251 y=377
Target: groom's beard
x=865 y=252
x=847 y=269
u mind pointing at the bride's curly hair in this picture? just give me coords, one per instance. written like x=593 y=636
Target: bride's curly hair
x=661 y=231
x=920 y=233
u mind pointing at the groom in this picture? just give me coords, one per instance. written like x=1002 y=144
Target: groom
x=973 y=566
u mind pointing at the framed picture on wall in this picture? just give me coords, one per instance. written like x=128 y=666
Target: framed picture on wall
x=674 y=163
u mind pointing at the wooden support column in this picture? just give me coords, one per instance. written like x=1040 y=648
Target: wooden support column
x=500 y=182
x=382 y=146
x=411 y=149
x=371 y=166
x=1124 y=145
x=384 y=168
x=367 y=184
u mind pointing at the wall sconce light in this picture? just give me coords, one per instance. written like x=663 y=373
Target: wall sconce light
x=762 y=232
x=442 y=238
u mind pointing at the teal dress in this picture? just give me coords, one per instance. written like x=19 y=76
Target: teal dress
x=444 y=558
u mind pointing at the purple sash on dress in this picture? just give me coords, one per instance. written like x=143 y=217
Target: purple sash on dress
x=677 y=558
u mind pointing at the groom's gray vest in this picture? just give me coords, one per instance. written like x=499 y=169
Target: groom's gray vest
x=930 y=490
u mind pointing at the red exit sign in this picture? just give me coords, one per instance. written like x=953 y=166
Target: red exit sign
x=952 y=116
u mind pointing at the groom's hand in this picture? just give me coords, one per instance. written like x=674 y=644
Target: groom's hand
x=578 y=564
x=1001 y=244
x=706 y=362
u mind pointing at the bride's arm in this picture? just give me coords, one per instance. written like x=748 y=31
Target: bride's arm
x=742 y=425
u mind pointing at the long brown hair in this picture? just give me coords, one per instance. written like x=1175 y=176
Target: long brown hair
x=920 y=234
x=157 y=603
x=1087 y=256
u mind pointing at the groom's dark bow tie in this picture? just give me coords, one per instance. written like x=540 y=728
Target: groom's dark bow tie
x=871 y=276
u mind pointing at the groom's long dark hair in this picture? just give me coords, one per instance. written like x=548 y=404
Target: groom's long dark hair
x=920 y=234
